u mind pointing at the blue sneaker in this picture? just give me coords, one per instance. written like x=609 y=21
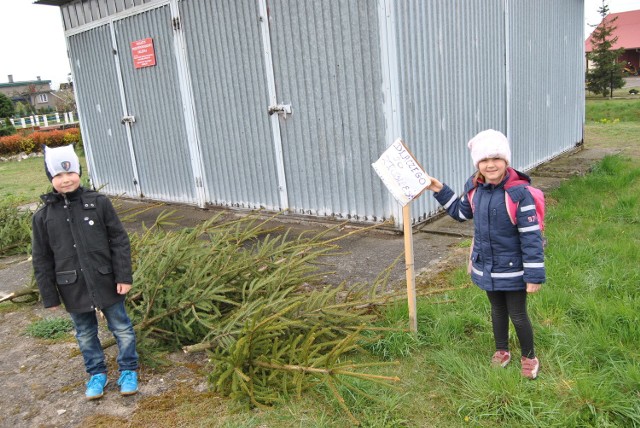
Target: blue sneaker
x=128 y=382
x=95 y=386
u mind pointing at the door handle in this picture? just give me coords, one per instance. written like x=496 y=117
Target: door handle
x=281 y=109
x=128 y=119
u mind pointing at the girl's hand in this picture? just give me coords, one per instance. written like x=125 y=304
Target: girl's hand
x=435 y=185
x=123 y=288
x=533 y=288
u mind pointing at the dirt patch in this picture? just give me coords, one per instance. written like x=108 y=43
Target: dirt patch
x=43 y=381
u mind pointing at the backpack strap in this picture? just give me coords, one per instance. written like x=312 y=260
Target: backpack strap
x=512 y=208
x=512 y=197
x=470 y=194
x=515 y=194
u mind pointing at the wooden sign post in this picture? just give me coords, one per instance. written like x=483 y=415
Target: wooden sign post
x=410 y=271
x=406 y=180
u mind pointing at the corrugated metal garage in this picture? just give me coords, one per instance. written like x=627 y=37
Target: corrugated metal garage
x=284 y=104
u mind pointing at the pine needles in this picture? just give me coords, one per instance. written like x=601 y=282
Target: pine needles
x=252 y=299
x=15 y=229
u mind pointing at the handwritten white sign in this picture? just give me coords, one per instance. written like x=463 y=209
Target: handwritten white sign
x=401 y=173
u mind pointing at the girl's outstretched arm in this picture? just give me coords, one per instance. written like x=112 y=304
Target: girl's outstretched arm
x=458 y=207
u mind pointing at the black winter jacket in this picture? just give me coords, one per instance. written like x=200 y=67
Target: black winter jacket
x=504 y=256
x=80 y=251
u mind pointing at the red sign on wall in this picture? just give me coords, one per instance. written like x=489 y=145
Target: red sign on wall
x=143 y=53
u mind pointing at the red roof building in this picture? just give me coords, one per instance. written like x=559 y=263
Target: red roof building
x=628 y=33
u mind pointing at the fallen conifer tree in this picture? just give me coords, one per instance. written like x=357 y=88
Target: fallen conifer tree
x=253 y=299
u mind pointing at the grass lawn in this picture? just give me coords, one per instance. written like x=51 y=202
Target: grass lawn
x=586 y=321
x=616 y=110
x=24 y=181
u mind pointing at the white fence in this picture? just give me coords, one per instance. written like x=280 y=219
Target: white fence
x=44 y=120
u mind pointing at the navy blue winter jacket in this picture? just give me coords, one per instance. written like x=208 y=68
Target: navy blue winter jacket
x=504 y=256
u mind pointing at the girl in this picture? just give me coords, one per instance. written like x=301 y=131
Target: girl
x=507 y=260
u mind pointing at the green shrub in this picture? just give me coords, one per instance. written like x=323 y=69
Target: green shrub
x=11 y=144
x=27 y=145
x=50 y=138
x=50 y=328
x=73 y=136
x=14 y=144
x=7 y=128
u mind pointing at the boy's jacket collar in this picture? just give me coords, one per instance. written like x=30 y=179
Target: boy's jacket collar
x=55 y=197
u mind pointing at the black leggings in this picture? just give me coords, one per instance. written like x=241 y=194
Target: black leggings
x=511 y=304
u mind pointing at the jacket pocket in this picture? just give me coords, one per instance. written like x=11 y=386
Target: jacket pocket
x=507 y=263
x=105 y=270
x=66 y=277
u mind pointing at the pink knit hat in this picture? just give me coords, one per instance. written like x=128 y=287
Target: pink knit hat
x=489 y=144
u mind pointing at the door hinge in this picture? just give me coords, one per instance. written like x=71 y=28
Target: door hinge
x=199 y=182
x=176 y=23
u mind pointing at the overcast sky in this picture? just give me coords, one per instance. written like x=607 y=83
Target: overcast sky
x=34 y=44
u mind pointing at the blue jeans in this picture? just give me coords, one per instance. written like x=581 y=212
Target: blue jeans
x=87 y=335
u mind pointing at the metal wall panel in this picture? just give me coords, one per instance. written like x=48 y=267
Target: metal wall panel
x=228 y=78
x=452 y=83
x=100 y=108
x=326 y=59
x=547 y=78
x=514 y=66
x=82 y=12
x=435 y=71
x=153 y=97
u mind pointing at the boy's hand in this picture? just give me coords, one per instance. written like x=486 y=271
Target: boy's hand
x=123 y=288
x=533 y=288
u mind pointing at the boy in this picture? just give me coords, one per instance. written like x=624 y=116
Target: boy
x=81 y=255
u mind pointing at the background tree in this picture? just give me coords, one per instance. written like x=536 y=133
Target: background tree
x=6 y=111
x=66 y=96
x=65 y=100
x=21 y=110
x=6 y=106
x=606 y=73
x=26 y=96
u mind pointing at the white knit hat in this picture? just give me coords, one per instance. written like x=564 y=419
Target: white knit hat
x=489 y=144
x=61 y=159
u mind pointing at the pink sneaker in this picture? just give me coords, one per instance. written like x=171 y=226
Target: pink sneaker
x=530 y=367
x=501 y=358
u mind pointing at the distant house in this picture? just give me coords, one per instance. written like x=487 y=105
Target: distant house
x=628 y=32
x=36 y=93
